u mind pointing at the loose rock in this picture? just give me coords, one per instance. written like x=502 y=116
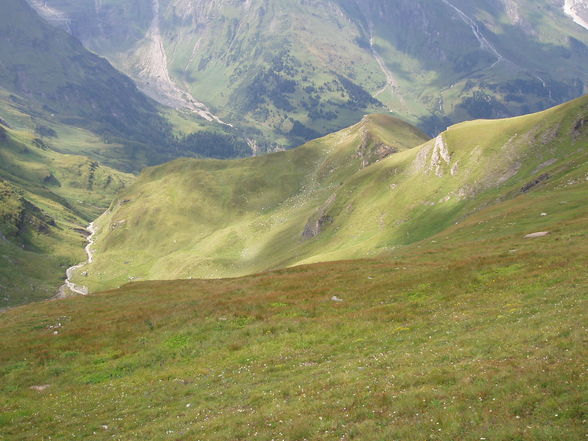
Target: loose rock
x=538 y=234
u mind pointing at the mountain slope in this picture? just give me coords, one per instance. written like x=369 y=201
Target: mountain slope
x=46 y=200
x=51 y=73
x=215 y=218
x=334 y=198
x=474 y=334
x=291 y=70
x=49 y=80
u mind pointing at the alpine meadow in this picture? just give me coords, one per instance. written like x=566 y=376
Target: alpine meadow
x=293 y=220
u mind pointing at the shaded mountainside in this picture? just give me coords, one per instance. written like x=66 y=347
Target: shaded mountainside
x=46 y=200
x=292 y=70
x=359 y=192
x=53 y=73
x=50 y=82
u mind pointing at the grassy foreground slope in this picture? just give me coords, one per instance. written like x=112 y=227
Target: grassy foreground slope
x=330 y=199
x=46 y=199
x=475 y=333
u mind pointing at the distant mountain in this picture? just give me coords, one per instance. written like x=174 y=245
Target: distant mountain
x=356 y=193
x=291 y=70
x=51 y=73
x=49 y=80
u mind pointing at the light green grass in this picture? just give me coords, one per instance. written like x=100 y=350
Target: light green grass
x=211 y=219
x=205 y=218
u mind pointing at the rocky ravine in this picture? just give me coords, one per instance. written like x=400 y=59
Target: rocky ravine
x=149 y=67
x=154 y=79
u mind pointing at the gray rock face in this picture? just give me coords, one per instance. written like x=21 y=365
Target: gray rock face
x=315 y=226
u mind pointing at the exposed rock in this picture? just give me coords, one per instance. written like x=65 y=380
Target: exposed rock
x=336 y=299
x=153 y=76
x=577 y=10
x=319 y=220
x=372 y=149
x=538 y=234
x=579 y=127
x=440 y=152
x=545 y=164
x=528 y=186
x=420 y=161
x=40 y=388
x=315 y=226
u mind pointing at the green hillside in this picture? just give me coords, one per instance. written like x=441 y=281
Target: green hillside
x=46 y=200
x=475 y=333
x=48 y=72
x=207 y=218
x=334 y=198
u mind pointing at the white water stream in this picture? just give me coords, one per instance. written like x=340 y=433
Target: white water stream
x=484 y=43
x=79 y=289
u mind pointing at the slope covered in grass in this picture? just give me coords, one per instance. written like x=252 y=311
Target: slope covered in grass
x=330 y=199
x=54 y=74
x=46 y=200
x=206 y=218
x=49 y=81
x=475 y=333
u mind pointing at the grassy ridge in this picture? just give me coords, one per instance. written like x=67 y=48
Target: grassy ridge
x=217 y=218
x=330 y=199
x=475 y=333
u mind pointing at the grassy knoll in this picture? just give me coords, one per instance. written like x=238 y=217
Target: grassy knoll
x=331 y=199
x=475 y=333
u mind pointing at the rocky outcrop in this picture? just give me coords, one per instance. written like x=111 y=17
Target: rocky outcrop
x=315 y=226
x=320 y=220
x=440 y=153
x=439 y=159
x=20 y=216
x=535 y=182
x=371 y=149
